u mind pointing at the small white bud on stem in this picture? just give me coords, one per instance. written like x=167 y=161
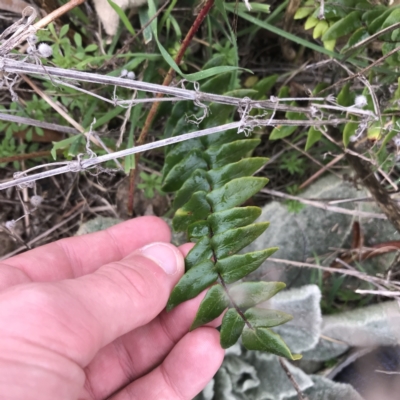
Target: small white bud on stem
x=36 y=200
x=32 y=38
x=45 y=50
x=360 y=101
x=10 y=225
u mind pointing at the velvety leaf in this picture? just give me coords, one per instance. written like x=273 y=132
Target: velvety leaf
x=262 y=317
x=231 y=328
x=181 y=171
x=195 y=183
x=235 y=192
x=248 y=294
x=198 y=229
x=197 y=208
x=344 y=26
x=230 y=242
x=192 y=283
x=200 y=252
x=237 y=267
x=265 y=339
x=230 y=152
x=234 y=218
x=246 y=167
x=211 y=307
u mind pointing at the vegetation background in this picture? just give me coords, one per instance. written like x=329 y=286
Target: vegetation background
x=326 y=74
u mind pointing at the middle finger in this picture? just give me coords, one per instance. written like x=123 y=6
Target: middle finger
x=138 y=352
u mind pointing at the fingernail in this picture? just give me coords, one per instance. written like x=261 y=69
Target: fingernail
x=163 y=255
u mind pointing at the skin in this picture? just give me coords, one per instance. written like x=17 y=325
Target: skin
x=83 y=318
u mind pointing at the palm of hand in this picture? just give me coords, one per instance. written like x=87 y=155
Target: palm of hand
x=83 y=318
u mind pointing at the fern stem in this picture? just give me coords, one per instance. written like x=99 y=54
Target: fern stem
x=239 y=311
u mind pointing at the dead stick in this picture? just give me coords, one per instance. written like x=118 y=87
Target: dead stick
x=167 y=80
x=57 y=13
x=321 y=171
x=361 y=73
x=27 y=156
x=363 y=170
x=300 y=394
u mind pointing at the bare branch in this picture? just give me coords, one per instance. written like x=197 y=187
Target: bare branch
x=324 y=206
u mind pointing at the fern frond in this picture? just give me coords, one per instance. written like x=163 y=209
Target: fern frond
x=212 y=178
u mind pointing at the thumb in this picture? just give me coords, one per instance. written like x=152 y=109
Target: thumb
x=97 y=308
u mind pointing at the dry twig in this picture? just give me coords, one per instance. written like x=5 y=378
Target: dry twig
x=324 y=206
x=296 y=386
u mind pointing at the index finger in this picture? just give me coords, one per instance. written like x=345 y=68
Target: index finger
x=78 y=256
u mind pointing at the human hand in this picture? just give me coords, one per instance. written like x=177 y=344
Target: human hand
x=82 y=318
